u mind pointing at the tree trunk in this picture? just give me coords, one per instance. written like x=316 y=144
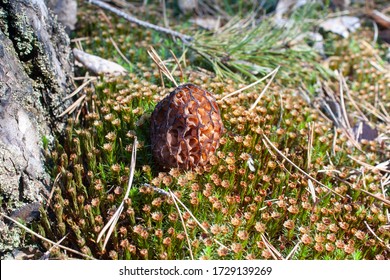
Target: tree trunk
x=35 y=75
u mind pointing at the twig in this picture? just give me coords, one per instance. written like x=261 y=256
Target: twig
x=184 y=38
x=45 y=239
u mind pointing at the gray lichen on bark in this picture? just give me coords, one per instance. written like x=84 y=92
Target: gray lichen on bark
x=35 y=71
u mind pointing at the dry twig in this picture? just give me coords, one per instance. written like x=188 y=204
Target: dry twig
x=184 y=38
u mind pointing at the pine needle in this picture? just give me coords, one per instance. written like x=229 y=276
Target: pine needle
x=381 y=167
x=161 y=65
x=385 y=181
x=120 y=52
x=80 y=88
x=251 y=85
x=376 y=236
x=196 y=220
x=52 y=190
x=45 y=239
x=293 y=250
x=74 y=106
x=310 y=144
x=182 y=221
x=354 y=104
x=266 y=140
x=265 y=89
x=275 y=253
x=178 y=64
x=46 y=255
x=312 y=190
x=342 y=103
x=109 y=227
x=385 y=201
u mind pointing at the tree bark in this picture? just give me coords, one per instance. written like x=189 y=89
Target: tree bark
x=35 y=75
x=66 y=11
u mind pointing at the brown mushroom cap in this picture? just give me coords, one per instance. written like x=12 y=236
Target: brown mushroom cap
x=185 y=128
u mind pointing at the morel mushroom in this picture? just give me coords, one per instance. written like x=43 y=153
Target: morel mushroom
x=186 y=127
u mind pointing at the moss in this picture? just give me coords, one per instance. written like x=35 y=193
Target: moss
x=246 y=196
x=225 y=193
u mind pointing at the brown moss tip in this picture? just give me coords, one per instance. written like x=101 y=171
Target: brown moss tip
x=186 y=127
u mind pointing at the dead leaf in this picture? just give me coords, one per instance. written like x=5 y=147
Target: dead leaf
x=385 y=35
x=187 y=6
x=208 y=23
x=363 y=131
x=342 y=26
x=285 y=6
